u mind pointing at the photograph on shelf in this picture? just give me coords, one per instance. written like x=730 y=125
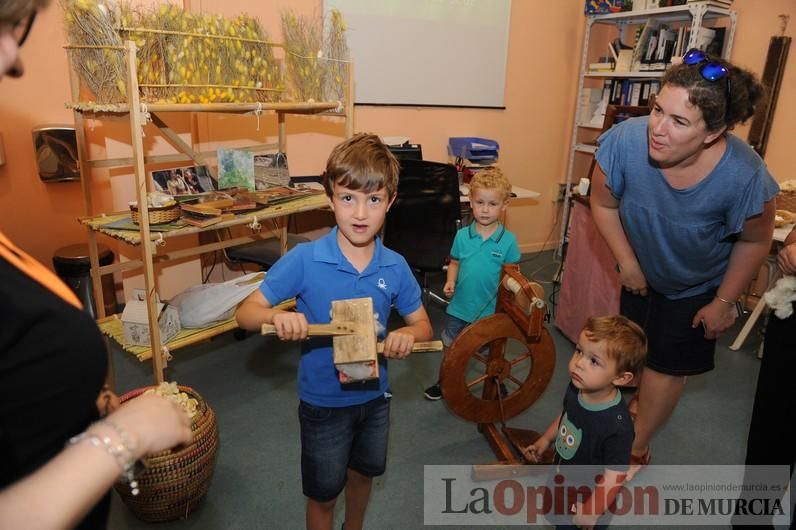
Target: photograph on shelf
x=270 y=170
x=235 y=169
x=190 y=180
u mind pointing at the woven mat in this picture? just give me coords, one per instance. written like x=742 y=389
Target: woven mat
x=112 y=327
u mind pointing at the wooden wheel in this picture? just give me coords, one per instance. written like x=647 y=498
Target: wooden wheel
x=478 y=362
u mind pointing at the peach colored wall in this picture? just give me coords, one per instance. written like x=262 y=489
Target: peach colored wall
x=534 y=129
x=758 y=21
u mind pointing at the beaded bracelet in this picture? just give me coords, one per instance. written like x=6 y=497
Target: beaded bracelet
x=123 y=451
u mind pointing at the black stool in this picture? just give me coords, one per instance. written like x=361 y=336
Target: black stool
x=73 y=265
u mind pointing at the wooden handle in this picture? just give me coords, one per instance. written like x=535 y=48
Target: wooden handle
x=319 y=330
x=500 y=471
x=432 y=345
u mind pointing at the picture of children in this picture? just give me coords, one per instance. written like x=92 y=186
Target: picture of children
x=176 y=184
x=194 y=186
x=191 y=180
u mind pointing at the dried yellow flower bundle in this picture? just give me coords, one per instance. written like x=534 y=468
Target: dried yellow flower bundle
x=187 y=57
x=182 y=57
x=317 y=65
x=336 y=54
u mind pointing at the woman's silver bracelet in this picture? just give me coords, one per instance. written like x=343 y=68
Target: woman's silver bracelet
x=123 y=451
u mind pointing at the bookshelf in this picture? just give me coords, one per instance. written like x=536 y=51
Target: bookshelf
x=594 y=85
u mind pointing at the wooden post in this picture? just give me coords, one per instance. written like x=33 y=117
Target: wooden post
x=85 y=187
x=349 y=102
x=136 y=140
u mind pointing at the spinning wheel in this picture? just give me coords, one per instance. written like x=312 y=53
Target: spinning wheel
x=480 y=360
x=500 y=365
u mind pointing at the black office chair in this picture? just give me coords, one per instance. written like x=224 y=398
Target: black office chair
x=422 y=222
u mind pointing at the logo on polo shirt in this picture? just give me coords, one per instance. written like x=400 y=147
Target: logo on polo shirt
x=381 y=284
x=497 y=254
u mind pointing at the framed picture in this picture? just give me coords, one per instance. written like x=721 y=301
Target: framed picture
x=189 y=180
x=270 y=170
x=235 y=169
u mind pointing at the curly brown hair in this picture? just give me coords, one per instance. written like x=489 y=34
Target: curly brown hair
x=745 y=92
x=362 y=162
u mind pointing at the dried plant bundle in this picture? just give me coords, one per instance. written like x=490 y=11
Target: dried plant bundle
x=187 y=57
x=97 y=51
x=303 y=44
x=335 y=52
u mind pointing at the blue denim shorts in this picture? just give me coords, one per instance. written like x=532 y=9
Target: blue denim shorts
x=334 y=439
x=453 y=326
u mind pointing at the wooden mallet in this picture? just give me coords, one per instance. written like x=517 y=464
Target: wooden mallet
x=353 y=328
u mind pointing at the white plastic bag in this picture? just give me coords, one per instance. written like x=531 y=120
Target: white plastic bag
x=202 y=305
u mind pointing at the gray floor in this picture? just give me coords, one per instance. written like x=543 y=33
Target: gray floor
x=251 y=386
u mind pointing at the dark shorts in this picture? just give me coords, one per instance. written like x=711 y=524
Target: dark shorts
x=453 y=326
x=336 y=439
x=674 y=347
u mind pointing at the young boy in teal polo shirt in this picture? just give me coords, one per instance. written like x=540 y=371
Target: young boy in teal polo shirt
x=477 y=256
x=343 y=427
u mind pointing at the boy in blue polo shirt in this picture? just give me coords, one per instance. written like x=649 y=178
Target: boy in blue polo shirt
x=343 y=427
x=479 y=251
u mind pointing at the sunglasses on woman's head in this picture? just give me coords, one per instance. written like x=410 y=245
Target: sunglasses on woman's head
x=710 y=70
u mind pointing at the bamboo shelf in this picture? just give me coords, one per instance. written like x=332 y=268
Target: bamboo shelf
x=99 y=223
x=334 y=107
x=112 y=327
x=139 y=113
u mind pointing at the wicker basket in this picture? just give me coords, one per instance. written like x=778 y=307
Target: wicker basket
x=175 y=481
x=158 y=216
x=786 y=200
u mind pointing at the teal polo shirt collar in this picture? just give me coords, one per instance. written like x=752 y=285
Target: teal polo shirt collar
x=327 y=250
x=497 y=235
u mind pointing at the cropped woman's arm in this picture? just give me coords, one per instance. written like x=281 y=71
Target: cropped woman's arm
x=605 y=210
x=747 y=255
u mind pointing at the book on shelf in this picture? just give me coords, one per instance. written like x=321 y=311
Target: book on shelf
x=613 y=50
x=601 y=67
x=664 y=49
x=200 y=221
x=716 y=45
x=704 y=37
x=208 y=209
x=635 y=93
x=625 y=61
x=644 y=96
x=642 y=43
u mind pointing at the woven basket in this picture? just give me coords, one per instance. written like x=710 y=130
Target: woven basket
x=158 y=216
x=175 y=481
x=786 y=200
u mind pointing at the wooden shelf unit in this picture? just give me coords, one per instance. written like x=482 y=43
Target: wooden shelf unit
x=138 y=161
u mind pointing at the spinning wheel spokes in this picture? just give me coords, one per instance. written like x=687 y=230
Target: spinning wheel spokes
x=477 y=381
x=470 y=382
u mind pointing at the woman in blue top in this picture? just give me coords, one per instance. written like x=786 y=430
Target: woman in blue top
x=687 y=210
